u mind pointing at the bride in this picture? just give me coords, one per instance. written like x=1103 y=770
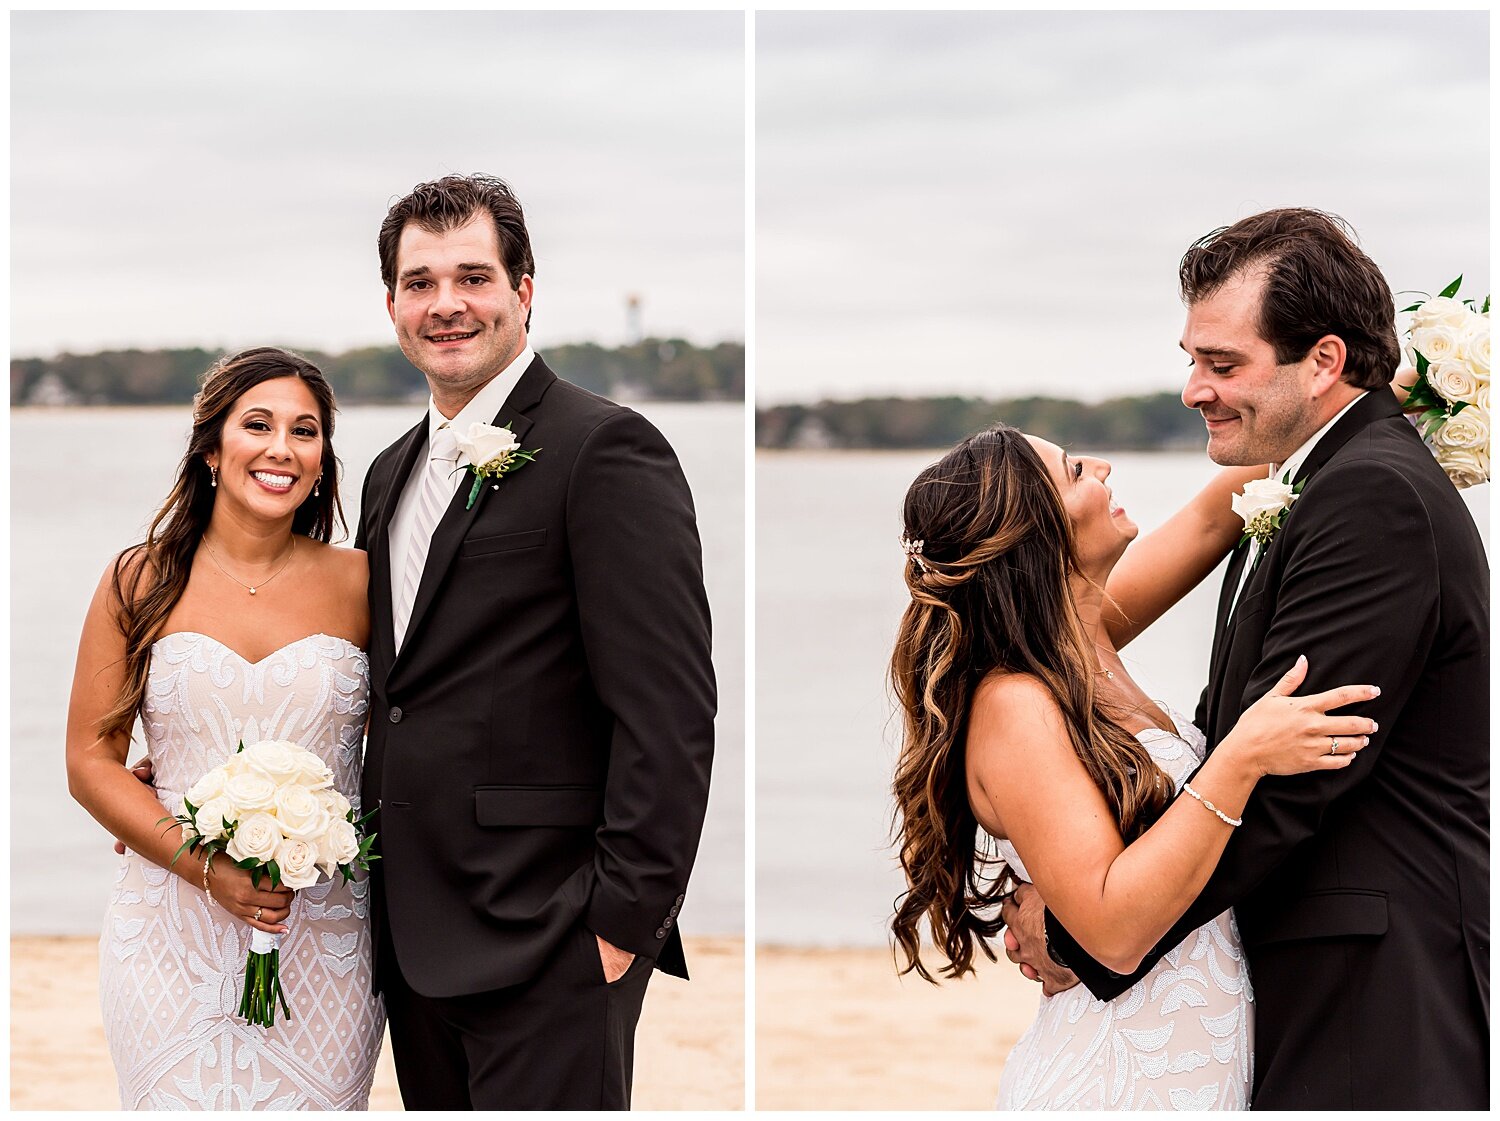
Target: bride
x=1022 y=726
x=258 y=634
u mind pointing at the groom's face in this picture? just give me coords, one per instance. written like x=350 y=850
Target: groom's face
x=457 y=318
x=1256 y=411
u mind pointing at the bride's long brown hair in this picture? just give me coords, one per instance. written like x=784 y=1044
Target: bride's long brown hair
x=149 y=578
x=989 y=592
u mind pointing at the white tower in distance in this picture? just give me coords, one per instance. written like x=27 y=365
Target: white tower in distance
x=634 y=333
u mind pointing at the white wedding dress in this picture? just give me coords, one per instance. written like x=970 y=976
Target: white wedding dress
x=1179 y=1038
x=172 y=963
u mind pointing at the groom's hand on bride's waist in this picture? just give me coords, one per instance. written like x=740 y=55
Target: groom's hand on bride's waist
x=1026 y=941
x=145 y=772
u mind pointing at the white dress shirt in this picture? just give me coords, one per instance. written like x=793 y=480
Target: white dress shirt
x=1288 y=470
x=483 y=407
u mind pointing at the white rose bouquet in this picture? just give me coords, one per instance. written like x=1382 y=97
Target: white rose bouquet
x=493 y=452
x=272 y=809
x=1449 y=344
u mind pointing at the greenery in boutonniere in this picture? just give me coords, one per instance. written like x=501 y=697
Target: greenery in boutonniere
x=1264 y=506
x=493 y=453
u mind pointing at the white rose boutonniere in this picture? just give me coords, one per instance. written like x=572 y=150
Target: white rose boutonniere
x=1264 y=507
x=1449 y=342
x=493 y=453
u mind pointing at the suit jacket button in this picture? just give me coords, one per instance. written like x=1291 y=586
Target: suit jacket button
x=395 y=715
x=680 y=898
x=661 y=932
x=673 y=911
x=667 y=921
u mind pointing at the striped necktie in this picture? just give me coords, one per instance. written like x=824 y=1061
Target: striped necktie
x=435 y=491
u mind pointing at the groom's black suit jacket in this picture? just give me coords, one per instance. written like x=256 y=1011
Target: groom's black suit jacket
x=1362 y=895
x=539 y=750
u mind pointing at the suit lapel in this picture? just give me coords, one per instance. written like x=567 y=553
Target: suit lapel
x=382 y=627
x=456 y=520
x=1376 y=405
x=1223 y=620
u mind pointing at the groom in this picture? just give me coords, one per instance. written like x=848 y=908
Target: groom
x=1362 y=895
x=542 y=701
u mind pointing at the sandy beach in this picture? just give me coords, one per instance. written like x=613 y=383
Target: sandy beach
x=837 y=1029
x=690 y=1051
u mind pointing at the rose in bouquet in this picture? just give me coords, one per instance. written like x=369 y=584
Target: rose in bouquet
x=272 y=810
x=1449 y=344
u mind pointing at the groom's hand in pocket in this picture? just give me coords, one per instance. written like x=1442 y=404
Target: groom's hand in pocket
x=145 y=772
x=1026 y=941
x=615 y=962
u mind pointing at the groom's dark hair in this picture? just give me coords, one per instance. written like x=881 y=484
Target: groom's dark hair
x=1318 y=282
x=453 y=201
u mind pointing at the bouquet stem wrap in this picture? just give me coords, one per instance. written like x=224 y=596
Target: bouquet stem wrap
x=263 y=981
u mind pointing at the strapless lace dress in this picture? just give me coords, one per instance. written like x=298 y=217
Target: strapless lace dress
x=1179 y=1038
x=171 y=963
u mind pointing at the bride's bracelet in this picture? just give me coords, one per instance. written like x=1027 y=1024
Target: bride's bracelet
x=1220 y=814
x=207 y=857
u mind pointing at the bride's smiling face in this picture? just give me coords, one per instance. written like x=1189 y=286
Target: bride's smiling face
x=1101 y=529
x=271 y=449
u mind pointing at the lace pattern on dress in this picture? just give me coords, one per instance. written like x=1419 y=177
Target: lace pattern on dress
x=1179 y=1038
x=172 y=963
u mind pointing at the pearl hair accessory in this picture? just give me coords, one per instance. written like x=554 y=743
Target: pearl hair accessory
x=913 y=550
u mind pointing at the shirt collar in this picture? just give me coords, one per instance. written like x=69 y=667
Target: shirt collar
x=1294 y=462
x=486 y=403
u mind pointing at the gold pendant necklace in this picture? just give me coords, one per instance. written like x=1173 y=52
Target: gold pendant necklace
x=213 y=556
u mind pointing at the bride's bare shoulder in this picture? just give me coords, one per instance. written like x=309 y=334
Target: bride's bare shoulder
x=342 y=563
x=1005 y=695
x=1013 y=715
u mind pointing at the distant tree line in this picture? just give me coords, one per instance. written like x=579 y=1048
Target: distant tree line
x=654 y=369
x=1156 y=421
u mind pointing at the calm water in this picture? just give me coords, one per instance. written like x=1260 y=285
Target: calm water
x=67 y=523
x=829 y=594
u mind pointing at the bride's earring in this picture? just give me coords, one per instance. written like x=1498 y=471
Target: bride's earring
x=213 y=475
x=316 y=487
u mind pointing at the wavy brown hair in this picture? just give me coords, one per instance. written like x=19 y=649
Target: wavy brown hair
x=989 y=593
x=149 y=578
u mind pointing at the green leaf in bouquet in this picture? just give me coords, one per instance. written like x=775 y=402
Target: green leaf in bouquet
x=1486 y=308
x=1421 y=395
x=1421 y=363
x=1458 y=407
x=1452 y=289
x=275 y=871
x=1409 y=307
x=189 y=843
x=256 y=872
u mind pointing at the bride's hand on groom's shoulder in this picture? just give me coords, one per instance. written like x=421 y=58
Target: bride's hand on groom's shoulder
x=1026 y=941
x=1402 y=383
x=1283 y=734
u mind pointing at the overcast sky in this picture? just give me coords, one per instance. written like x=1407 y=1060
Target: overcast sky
x=217 y=179
x=996 y=203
